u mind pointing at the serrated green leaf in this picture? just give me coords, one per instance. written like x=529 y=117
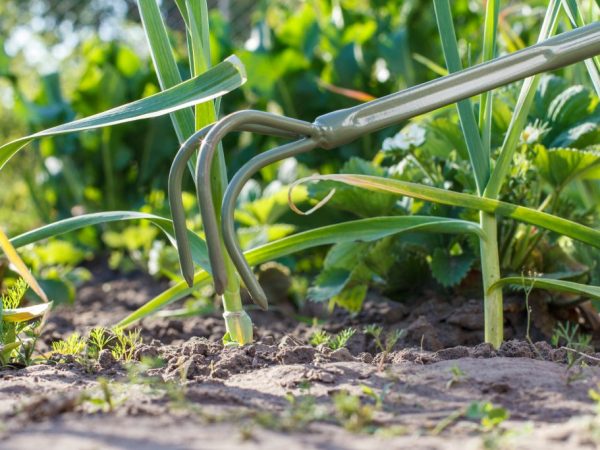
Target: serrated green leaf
x=581 y=135
x=571 y=106
x=450 y=270
x=346 y=255
x=443 y=136
x=550 y=86
x=561 y=165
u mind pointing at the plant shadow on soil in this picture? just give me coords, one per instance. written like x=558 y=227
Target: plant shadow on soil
x=281 y=392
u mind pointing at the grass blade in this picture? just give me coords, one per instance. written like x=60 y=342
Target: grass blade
x=26 y=313
x=363 y=230
x=221 y=79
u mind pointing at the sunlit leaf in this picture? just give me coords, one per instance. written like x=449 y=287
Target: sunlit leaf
x=221 y=79
x=26 y=313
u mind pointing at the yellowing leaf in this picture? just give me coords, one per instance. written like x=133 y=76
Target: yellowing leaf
x=22 y=269
x=26 y=313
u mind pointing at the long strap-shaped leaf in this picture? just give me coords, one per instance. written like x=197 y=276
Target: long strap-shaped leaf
x=198 y=247
x=436 y=195
x=551 y=284
x=521 y=112
x=219 y=80
x=576 y=19
x=164 y=62
x=362 y=230
x=478 y=154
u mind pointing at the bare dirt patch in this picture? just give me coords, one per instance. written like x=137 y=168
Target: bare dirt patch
x=281 y=392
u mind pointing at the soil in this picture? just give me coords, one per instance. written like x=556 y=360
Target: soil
x=184 y=390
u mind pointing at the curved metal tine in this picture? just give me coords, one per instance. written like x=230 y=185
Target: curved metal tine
x=203 y=176
x=178 y=166
x=229 y=200
x=186 y=151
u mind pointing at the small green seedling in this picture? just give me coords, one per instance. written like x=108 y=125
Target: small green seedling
x=567 y=335
x=378 y=398
x=319 y=337
x=528 y=288
x=74 y=345
x=300 y=412
x=457 y=376
x=18 y=325
x=334 y=342
x=121 y=343
x=384 y=344
x=99 y=339
x=341 y=339
x=100 y=399
x=352 y=413
x=488 y=415
x=126 y=343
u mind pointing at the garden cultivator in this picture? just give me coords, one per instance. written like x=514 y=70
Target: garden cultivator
x=338 y=128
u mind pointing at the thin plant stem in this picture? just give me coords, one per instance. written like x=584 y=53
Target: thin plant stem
x=490 y=271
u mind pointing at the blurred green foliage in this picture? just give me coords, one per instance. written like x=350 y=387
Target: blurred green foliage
x=304 y=59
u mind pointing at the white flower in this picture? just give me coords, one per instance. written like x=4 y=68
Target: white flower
x=411 y=136
x=53 y=165
x=533 y=133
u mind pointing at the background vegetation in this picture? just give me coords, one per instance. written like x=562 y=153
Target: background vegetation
x=304 y=59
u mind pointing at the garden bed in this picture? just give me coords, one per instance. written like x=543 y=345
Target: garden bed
x=282 y=392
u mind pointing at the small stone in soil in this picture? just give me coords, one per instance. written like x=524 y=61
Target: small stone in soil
x=341 y=355
x=106 y=359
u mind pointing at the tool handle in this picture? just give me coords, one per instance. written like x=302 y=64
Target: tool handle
x=343 y=126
